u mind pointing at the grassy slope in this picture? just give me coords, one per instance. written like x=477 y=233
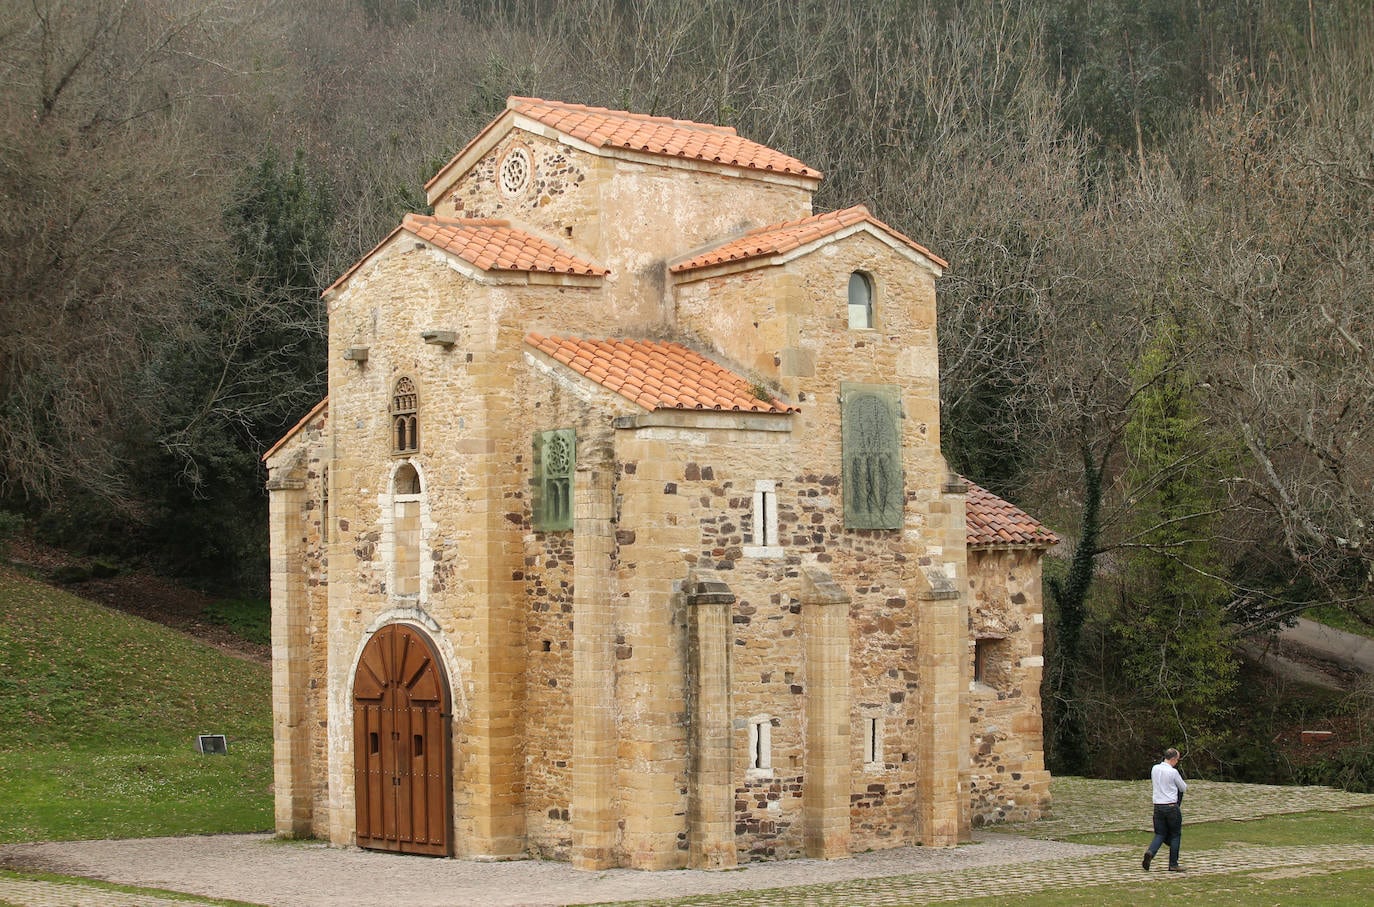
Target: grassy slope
x=100 y=712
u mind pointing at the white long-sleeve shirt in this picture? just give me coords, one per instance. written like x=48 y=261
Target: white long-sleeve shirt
x=1168 y=784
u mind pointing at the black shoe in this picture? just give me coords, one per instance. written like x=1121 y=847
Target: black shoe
x=1177 y=869
x=1145 y=861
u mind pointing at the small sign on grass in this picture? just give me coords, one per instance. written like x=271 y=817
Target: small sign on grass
x=212 y=745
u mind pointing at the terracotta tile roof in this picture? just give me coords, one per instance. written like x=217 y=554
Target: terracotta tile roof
x=494 y=245
x=604 y=128
x=777 y=239
x=657 y=375
x=993 y=522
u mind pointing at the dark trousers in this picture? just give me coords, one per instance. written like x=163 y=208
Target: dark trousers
x=1168 y=827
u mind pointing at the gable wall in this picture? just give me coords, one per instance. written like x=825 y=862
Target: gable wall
x=628 y=216
x=789 y=325
x=474 y=452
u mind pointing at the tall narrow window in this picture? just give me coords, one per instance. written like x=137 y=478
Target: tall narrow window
x=764 y=536
x=324 y=504
x=405 y=427
x=860 y=301
x=873 y=740
x=405 y=531
x=761 y=745
x=555 y=458
x=870 y=430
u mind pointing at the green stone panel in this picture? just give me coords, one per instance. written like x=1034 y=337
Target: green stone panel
x=555 y=460
x=871 y=428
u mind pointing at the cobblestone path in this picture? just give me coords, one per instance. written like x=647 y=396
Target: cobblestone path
x=31 y=893
x=1030 y=859
x=1112 y=869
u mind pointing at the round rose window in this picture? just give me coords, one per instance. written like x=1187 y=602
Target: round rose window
x=515 y=172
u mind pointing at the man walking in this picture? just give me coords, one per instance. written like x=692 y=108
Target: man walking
x=1168 y=787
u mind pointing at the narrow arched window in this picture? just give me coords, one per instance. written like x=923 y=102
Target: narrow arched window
x=406 y=538
x=405 y=428
x=860 y=301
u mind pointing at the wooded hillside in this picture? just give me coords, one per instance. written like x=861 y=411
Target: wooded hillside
x=1157 y=330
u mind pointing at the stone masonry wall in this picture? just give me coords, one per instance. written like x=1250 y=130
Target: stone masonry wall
x=712 y=493
x=300 y=585
x=1009 y=781
x=790 y=325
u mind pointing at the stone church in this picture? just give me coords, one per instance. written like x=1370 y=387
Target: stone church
x=624 y=535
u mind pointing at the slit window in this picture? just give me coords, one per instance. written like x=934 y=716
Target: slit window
x=324 y=504
x=763 y=534
x=761 y=744
x=873 y=741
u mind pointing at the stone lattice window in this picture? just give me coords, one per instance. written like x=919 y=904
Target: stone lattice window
x=872 y=449
x=555 y=459
x=516 y=169
x=405 y=427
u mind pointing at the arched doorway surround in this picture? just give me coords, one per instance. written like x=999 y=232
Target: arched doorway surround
x=401 y=751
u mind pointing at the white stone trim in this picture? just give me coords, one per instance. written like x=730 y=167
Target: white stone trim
x=760 y=747
x=386 y=504
x=765 y=526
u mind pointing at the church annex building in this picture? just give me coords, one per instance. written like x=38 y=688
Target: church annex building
x=624 y=536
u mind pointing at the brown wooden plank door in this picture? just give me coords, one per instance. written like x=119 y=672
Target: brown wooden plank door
x=401 y=744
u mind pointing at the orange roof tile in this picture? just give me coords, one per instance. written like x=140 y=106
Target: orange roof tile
x=603 y=128
x=993 y=522
x=657 y=375
x=494 y=245
x=777 y=239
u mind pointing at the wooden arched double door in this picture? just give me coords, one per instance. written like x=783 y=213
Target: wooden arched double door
x=401 y=747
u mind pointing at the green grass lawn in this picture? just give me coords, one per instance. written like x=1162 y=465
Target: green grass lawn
x=1341 y=619
x=1308 y=886
x=100 y=712
x=1326 y=884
